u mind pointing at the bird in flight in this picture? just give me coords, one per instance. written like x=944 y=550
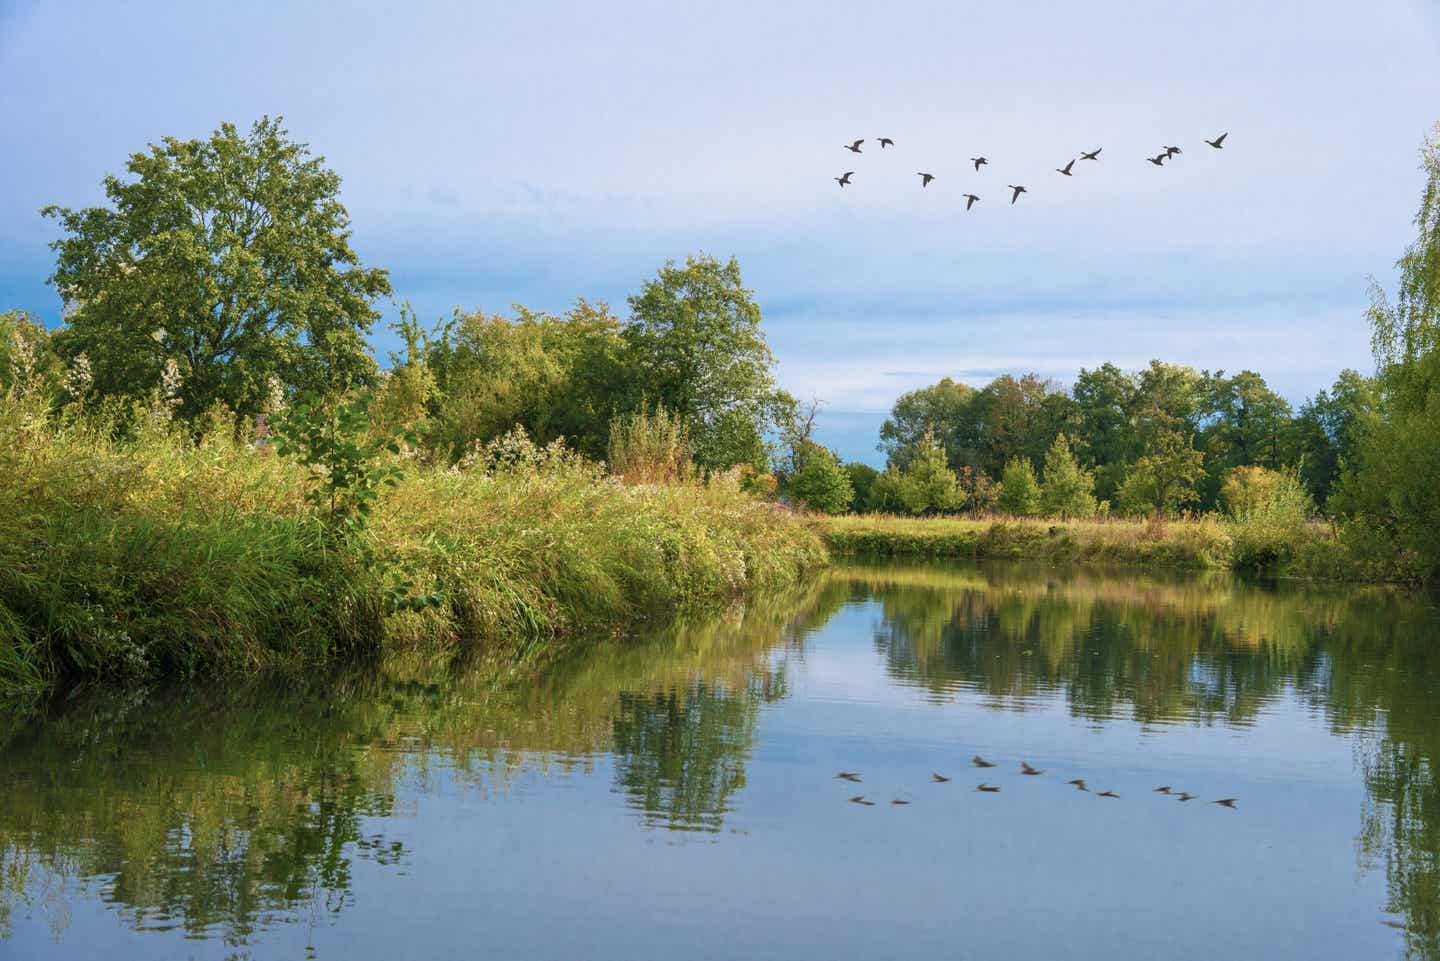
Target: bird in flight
x=849 y=776
x=1092 y=155
x=989 y=789
x=1163 y=790
x=938 y=778
x=1218 y=142
x=886 y=142
x=925 y=178
x=1185 y=796
x=1065 y=169
x=1079 y=782
x=978 y=162
x=845 y=180
x=855 y=147
x=1159 y=159
x=979 y=761
x=898 y=801
x=970 y=200
x=1228 y=802
x=1107 y=794
x=1172 y=151
x=1027 y=769
x=860 y=799
x=1016 y=195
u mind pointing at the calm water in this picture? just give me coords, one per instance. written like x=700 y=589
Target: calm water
x=674 y=796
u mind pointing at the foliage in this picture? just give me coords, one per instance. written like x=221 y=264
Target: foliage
x=928 y=485
x=650 y=447
x=229 y=256
x=1019 y=490
x=1246 y=488
x=862 y=482
x=1165 y=478
x=1068 y=489
x=1272 y=514
x=347 y=468
x=819 y=482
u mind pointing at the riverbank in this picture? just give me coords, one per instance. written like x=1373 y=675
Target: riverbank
x=1312 y=550
x=160 y=556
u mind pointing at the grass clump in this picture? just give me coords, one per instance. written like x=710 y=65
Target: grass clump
x=145 y=552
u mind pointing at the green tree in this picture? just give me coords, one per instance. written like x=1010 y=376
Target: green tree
x=1068 y=489
x=1105 y=400
x=230 y=256
x=929 y=486
x=696 y=346
x=1164 y=478
x=819 y=482
x=942 y=409
x=1019 y=490
x=1326 y=431
x=862 y=482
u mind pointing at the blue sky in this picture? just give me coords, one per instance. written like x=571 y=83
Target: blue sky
x=532 y=153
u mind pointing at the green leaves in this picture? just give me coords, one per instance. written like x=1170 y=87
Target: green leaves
x=346 y=465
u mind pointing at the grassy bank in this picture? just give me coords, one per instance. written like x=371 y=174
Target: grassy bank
x=1308 y=549
x=161 y=556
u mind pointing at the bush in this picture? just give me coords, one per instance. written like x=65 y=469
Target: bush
x=1272 y=524
x=1068 y=490
x=650 y=447
x=819 y=482
x=1019 y=490
x=862 y=480
x=1246 y=488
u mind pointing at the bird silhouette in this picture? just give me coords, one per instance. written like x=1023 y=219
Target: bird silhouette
x=925 y=179
x=1016 y=195
x=1092 y=155
x=1172 y=151
x=886 y=142
x=1079 y=782
x=1107 y=794
x=1163 y=790
x=855 y=147
x=987 y=788
x=1027 y=769
x=898 y=801
x=1228 y=802
x=978 y=162
x=1159 y=159
x=844 y=181
x=1185 y=797
x=979 y=761
x=970 y=200
x=939 y=778
x=849 y=776
x=1065 y=169
x=860 y=799
x=1219 y=142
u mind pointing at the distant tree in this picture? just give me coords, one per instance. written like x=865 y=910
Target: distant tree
x=1019 y=490
x=695 y=344
x=819 y=482
x=1068 y=489
x=1168 y=397
x=1165 y=477
x=1105 y=401
x=929 y=485
x=862 y=482
x=942 y=409
x=1246 y=488
x=1326 y=431
x=229 y=257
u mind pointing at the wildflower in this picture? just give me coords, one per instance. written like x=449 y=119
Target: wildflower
x=79 y=377
x=22 y=357
x=274 y=395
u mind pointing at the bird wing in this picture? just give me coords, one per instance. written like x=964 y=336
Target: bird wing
x=1221 y=138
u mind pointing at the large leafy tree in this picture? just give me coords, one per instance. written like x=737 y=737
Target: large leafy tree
x=696 y=347
x=943 y=409
x=1105 y=398
x=230 y=256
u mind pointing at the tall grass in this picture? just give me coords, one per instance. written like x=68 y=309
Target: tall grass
x=650 y=447
x=159 y=555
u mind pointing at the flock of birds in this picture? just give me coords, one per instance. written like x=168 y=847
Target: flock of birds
x=980 y=762
x=1016 y=190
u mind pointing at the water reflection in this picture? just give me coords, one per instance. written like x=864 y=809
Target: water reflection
x=224 y=813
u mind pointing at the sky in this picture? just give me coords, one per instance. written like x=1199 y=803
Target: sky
x=498 y=153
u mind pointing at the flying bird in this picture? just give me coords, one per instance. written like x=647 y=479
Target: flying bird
x=970 y=200
x=1027 y=769
x=1159 y=159
x=1079 y=782
x=849 y=776
x=860 y=799
x=1016 y=195
x=1092 y=155
x=1228 y=802
x=978 y=162
x=1185 y=797
x=898 y=801
x=925 y=178
x=1172 y=151
x=1107 y=794
x=855 y=147
x=1163 y=790
x=939 y=778
x=886 y=142
x=1065 y=169
x=845 y=180
x=1219 y=142
x=987 y=788
x=979 y=761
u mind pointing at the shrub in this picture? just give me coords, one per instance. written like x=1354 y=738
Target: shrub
x=1019 y=490
x=1272 y=524
x=1246 y=488
x=862 y=479
x=819 y=482
x=1068 y=490
x=650 y=447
